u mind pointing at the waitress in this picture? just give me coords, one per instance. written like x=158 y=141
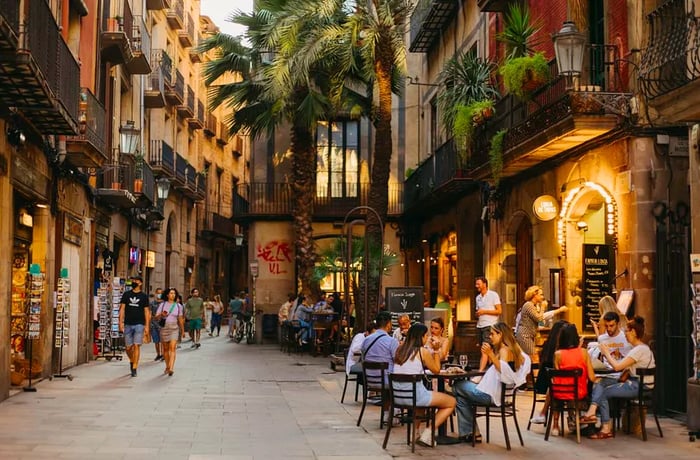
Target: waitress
x=531 y=314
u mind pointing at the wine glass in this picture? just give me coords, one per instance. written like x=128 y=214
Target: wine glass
x=463 y=361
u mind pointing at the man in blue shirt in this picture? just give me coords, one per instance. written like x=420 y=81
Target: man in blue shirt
x=380 y=346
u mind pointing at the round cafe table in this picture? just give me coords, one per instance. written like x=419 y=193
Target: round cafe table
x=442 y=438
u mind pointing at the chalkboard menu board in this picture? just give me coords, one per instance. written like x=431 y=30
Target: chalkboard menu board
x=405 y=301
x=598 y=269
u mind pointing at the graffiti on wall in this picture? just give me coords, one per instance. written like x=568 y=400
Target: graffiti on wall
x=274 y=254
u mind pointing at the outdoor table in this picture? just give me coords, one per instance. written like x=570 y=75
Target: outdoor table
x=442 y=437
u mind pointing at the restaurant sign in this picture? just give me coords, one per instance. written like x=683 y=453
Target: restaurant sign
x=405 y=301
x=545 y=207
x=598 y=269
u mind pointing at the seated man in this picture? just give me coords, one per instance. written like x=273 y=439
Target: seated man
x=380 y=347
x=302 y=313
x=404 y=324
x=614 y=339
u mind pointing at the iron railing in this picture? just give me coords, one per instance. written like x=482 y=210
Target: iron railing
x=210 y=124
x=176 y=10
x=200 y=111
x=9 y=10
x=144 y=172
x=219 y=224
x=116 y=175
x=162 y=156
x=672 y=56
x=181 y=168
x=93 y=121
x=190 y=100
x=140 y=38
x=179 y=86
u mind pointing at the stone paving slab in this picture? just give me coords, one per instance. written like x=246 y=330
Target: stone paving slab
x=241 y=402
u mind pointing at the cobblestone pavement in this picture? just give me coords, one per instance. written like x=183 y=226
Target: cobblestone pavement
x=237 y=401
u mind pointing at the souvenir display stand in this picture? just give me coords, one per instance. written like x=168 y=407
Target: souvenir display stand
x=111 y=342
x=62 y=320
x=35 y=292
x=693 y=388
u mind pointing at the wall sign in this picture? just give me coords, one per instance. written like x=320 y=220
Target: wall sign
x=404 y=301
x=545 y=208
x=598 y=269
x=72 y=229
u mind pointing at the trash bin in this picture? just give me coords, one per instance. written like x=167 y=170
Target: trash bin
x=269 y=327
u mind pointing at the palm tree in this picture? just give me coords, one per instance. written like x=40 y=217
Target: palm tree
x=261 y=102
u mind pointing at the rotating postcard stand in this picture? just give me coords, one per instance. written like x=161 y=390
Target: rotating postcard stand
x=35 y=289
x=62 y=320
x=108 y=297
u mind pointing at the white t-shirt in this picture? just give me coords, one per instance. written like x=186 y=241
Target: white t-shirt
x=355 y=347
x=487 y=301
x=643 y=358
x=616 y=343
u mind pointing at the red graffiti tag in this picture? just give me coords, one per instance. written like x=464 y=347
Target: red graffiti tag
x=275 y=251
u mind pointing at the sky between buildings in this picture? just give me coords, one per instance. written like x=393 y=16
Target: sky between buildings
x=219 y=10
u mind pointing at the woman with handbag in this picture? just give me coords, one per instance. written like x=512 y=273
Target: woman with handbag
x=171 y=319
x=412 y=357
x=627 y=385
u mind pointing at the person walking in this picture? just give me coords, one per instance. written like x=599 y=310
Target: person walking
x=154 y=326
x=235 y=307
x=217 y=308
x=172 y=325
x=134 y=319
x=195 y=312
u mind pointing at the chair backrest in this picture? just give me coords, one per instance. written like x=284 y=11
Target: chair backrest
x=375 y=374
x=646 y=381
x=404 y=392
x=564 y=383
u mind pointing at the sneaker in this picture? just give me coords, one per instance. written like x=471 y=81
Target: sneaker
x=194 y=345
x=131 y=367
x=538 y=419
x=198 y=345
x=426 y=438
x=157 y=358
x=133 y=372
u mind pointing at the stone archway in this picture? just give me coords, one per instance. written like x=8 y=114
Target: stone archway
x=517 y=264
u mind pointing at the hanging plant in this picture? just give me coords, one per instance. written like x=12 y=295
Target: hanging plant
x=496 y=155
x=523 y=75
x=467 y=118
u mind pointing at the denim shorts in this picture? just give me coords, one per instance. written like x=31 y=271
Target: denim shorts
x=133 y=334
x=155 y=334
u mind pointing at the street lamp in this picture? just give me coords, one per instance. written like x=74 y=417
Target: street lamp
x=254 y=266
x=163 y=188
x=569 y=45
x=238 y=239
x=128 y=137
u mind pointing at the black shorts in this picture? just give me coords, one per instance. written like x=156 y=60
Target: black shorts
x=484 y=334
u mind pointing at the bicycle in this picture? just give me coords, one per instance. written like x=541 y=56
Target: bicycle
x=245 y=329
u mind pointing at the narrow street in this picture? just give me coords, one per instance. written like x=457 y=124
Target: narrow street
x=237 y=401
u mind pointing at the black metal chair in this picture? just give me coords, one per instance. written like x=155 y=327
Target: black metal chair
x=352 y=377
x=410 y=414
x=536 y=397
x=374 y=381
x=564 y=396
x=506 y=409
x=643 y=401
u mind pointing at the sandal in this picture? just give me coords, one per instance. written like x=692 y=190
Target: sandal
x=601 y=435
x=586 y=419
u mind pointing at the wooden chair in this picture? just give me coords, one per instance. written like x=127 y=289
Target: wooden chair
x=374 y=381
x=643 y=401
x=563 y=396
x=506 y=409
x=409 y=413
x=352 y=377
x=536 y=397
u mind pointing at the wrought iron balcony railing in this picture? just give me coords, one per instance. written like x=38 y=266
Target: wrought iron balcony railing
x=175 y=93
x=140 y=48
x=428 y=21
x=218 y=225
x=154 y=90
x=144 y=184
x=223 y=135
x=210 y=125
x=115 y=184
x=186 y=33
x=157 y=4
x=161 y=157
x=89 y=149
x=39 y=75
x=273 y=201
x=174 y=15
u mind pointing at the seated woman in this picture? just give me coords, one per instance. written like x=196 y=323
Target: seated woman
x=547 y=360
x=571 y=356
x=412 y=357
x=508 y=365
x=438 y=342
x=627 y=385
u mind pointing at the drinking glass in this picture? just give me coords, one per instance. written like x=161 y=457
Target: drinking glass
x=463 y=361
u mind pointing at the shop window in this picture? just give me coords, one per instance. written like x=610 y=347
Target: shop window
x=338 y=162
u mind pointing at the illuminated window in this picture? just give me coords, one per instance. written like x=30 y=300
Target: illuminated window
x=338 y=163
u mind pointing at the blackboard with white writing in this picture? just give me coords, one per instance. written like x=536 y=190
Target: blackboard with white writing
x=598 y=269
x=405 y=301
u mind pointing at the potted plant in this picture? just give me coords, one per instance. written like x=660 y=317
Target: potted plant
x=138 y=170
x=467 y=118
x=523 y=75
x=496 y=155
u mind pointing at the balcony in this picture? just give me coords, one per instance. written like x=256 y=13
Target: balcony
x=669 y=71
x=265 y=201
x=174 y=15
x=494 y=6
x=197 y=121
x=186 y=33
x=222 y=137
x=88 y=149
x=161 y=157
x=181 y=170
x=195 y=57
x=210 y=125
x=175 y=92
x=428 y=21
x=154 y=89
x=115 y=185
x=155 y=5
x=438 y=182
x=116 y=35
x=144 y=185
x=186 y=110
x=139 y=64
x=558 y=117
x=201 y=192
x=217 y=225
x=38 y=74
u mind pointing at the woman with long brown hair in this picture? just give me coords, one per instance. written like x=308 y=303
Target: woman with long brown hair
x=412 y=357
x=171 y=314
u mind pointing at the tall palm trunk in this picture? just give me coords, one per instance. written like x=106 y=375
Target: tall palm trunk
x=303 y=190
x=378 y=193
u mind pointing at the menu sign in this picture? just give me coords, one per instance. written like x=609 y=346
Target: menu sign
x=405 y=301
x=598 y=270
